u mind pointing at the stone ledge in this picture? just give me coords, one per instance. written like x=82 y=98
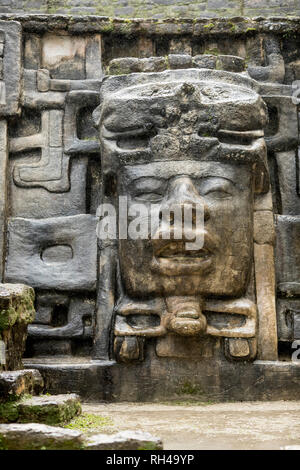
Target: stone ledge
x=37 y=437
x=125 y=440
x=41 y=437
x=57 y=409
x=19 y=382
x=156 y=27
x=51 y=410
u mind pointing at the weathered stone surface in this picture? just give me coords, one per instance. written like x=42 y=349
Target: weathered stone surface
x=180 y=120
x=20 y=382
x=10 y=86
x=264 y=231
x=195 y=9
x=27 y=237
x=288 y=254
x=125 y=440
x=16 y=311
x=49 y=409
x=265 y=292
x=3 y=190
x=38 y=437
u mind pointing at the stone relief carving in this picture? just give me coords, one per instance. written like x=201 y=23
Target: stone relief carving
x=203 y=120
x=186 y=137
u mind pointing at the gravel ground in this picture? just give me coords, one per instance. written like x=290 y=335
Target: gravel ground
x=247 y=425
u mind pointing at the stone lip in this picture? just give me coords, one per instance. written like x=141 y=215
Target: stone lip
x=151 y=26
x=35 y=436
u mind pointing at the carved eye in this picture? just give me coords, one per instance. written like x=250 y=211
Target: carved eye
x=216 y=188
x=149 y=189
x=131 y=143
x=218 y=193
x=238 y=137
x=149 y=197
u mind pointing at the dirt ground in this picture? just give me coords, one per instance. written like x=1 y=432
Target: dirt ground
x=248 y=425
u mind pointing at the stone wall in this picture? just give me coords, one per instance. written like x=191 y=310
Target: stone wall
x=155 y=8
x=52 y=68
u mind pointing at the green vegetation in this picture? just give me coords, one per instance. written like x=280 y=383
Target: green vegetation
x=149 y=446
x=89 y=422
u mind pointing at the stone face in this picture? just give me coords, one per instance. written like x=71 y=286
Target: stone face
x=35 y=436
x=201 y=111
x=180 y=157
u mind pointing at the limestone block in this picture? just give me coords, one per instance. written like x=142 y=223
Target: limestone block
x=285 y=134
x=274 y=71
x=288 y=254
x=39 y=202
x=64 y=56
x=50 y=410
x=3 y=189
x=239 y=347
x=35 y=436
x=16 y=311
x=29 y=243
x=287 y=176
x=125 y=440
x=179 y=61
x=79 y=322
x=266 y=295
x=264 y=227
x=10 y=87
x=19 y=382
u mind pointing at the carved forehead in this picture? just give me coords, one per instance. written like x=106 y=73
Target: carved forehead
x=232 y=99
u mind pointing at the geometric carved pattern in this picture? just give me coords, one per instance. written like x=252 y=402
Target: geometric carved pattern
x=51 y=172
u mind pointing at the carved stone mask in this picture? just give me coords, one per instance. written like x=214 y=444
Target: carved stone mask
x=177 y=138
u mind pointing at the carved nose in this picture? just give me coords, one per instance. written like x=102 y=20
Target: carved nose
x=183 y=192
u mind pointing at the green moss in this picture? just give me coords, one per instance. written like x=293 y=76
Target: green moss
x=188 y=388
x=149 y=446
x=2 y=444
x=8 y=318
x=9 y=412
x=48 y=414
x=232 y=26
x=209 y=26
x=21 y=309
x=89 y=422
x=250 y=29
x=213 y=51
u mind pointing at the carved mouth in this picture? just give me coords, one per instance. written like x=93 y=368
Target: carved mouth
x=176 y=251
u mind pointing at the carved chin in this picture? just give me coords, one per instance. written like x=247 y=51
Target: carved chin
x=188 y=326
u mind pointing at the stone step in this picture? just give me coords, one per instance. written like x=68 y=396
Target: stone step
x=125 y=440
x=53 y=409
x=33 y=436
x=16 y=383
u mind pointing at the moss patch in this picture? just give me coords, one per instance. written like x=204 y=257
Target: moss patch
x=89 y=422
